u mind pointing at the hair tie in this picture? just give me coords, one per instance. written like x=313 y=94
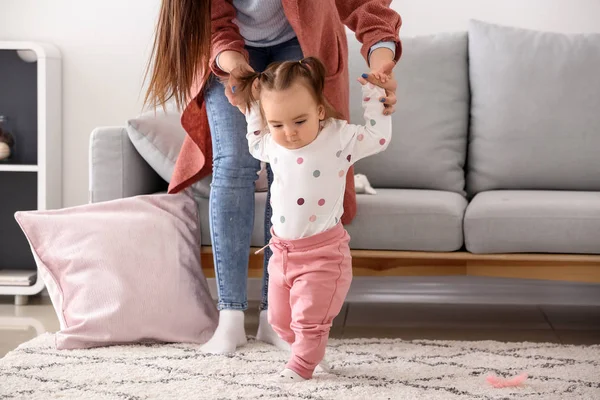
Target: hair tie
x=304 y=64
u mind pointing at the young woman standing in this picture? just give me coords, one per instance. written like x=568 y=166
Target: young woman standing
x=197 y=43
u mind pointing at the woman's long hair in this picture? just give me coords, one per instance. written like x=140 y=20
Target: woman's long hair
x=181 y=51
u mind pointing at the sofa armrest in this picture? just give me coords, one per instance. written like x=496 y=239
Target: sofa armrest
x=116 y=168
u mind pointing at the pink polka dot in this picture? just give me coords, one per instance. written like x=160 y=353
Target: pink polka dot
x=349 y=158
x=312 y=218
x=382 y=142
x=300 y=201
x=361 y=137
x=257 y=133
x=341 y=173
x=300 y=160
x=367 y=99
x=322 y=202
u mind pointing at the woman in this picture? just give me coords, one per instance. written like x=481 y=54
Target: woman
x=198 y=42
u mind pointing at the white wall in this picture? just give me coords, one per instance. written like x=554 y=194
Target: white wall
x=430 y=16
x=105 y=45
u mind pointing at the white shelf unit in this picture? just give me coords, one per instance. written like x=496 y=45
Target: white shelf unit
x=48 y=169
x=18 y=168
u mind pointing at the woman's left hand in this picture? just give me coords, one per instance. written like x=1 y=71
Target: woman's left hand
x=382 y=75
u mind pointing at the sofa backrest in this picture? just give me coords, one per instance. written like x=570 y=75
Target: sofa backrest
x=535 y=116
x=430 y=125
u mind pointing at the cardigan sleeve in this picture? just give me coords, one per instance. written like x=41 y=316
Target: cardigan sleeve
x=372 y=21
x=225 y=33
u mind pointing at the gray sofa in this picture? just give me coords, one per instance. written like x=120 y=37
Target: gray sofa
x=496 y=149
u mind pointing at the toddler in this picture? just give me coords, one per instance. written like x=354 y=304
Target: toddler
x=292 y=127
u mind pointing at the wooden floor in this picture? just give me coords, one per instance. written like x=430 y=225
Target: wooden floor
x=409 y=321
x=560 y=267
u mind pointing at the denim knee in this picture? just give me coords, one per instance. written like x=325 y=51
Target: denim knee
x=235 y=171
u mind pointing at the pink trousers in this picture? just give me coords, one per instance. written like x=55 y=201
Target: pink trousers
x=308 y=282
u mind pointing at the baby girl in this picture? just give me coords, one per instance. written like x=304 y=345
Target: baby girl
x=293 y=127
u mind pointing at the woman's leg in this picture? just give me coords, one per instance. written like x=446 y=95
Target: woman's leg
x=231 y=211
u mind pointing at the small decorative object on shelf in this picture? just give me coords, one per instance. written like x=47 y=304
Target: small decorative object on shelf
x=7 y=141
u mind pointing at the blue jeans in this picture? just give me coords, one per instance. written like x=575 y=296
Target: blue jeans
x=232 y=190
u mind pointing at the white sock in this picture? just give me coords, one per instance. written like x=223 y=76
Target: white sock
x=229 y=335
x=287 y=375
x=268 y=335
x=323 y=366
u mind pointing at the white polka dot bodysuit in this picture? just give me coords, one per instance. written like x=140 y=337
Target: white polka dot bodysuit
x=307 y=193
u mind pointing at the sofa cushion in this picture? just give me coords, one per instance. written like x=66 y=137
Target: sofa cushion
x=394 y=219
x=430 y=125
x=535 y=110
x=405 y=219
x=158 y=137
x=533 y=221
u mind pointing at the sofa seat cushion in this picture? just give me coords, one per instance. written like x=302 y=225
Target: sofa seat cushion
x=393 y=219
x=411 y=220
x=533 y=222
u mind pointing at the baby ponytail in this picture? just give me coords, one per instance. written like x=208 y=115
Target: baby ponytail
x=247 y=81
x=309 y=71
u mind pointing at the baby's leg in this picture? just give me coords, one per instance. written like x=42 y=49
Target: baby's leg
x=279 y=311
x=317 y=297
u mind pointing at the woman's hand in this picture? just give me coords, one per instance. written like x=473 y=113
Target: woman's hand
x=233 y=83
x=382 y=75
x=234 y=64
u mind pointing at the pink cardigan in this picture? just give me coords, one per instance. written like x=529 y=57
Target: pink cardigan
x=319 y=25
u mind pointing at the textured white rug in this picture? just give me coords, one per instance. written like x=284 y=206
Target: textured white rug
x=363 y=369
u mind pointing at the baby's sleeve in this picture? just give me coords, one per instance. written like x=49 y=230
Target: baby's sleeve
x=258 y=135
x=365 y=140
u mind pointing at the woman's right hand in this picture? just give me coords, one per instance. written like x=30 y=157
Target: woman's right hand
x=234 y=98
x=235 y=65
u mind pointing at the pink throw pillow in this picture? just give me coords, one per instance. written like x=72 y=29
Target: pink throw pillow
x=123 y=271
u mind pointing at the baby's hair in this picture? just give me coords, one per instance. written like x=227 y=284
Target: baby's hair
x=309 y=71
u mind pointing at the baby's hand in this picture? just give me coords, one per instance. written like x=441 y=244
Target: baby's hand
x=384 y=78
x=373 y=94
